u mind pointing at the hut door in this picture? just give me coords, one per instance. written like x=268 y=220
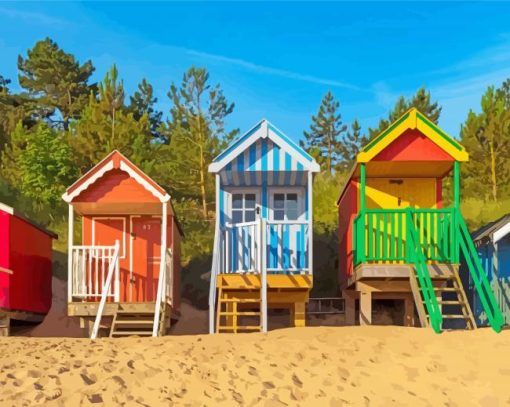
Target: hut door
x=146 y=243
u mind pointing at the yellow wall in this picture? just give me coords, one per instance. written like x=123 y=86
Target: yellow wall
x=414 y=192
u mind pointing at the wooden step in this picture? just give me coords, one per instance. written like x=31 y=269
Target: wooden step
x=240 y=300
x=129 y=312
x=441 y=302
x=134 y=322
x=240 y=328
x=447 y=289
x=452 y=316
x=132 y=333
x=240 y=313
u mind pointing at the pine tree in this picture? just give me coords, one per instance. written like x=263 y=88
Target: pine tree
x=421 y=100
x=198 y=133
x=143 y=102
x=325 y=133
x=487 y=138
x=55 y=81
x=106 y=124
x=13 y=108
x=352 y=143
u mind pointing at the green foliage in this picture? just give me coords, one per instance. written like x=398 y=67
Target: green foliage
x=143 y=103
x=40 y=163
x=421 y=100
x=486 y=136
x=324 y=138
x=55 y=80
x=353 y=142
x=106 y=125
x=326 y=189
x=198 y=134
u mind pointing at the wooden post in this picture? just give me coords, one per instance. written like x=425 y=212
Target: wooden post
x=409 y=311
x=350 y=307
x=362 y=191
x=298 y=314
x=365 y=305
x=70 y=241
x=456 y=213
x=263 y=276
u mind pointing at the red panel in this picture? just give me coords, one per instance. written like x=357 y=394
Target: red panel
x=116 y=186
x=347 y=211
x=30 y=261
x=412 y=145
x=115 y=157
x=146 y=257
x=5 y=247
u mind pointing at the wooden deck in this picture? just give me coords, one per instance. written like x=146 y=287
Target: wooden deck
x=392 y=272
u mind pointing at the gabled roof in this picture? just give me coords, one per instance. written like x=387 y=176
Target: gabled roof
x=115 y=160
x=413 y=119
x=494 y=231
x=261 y=130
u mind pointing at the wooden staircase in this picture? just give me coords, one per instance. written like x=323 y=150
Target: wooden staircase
x=136 y=322
x=4 y=325
x=450 y=294
x=233 y=305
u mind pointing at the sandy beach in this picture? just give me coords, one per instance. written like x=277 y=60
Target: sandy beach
x=302 y=366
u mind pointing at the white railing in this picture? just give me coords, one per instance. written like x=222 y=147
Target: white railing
x=165 y=290
x=90 y=265
x=287 y=245
x=113 y=265
x=286 y=242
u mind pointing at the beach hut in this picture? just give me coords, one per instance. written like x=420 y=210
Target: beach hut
x=263 y=237
x=492 y=243
x=398 y=242
x=25 y=269
x=126 y=266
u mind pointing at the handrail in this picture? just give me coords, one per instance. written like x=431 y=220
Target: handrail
x=423 y=275
x=263 y=275
x=114 y=263
x=482 y=285
x=7 y=271
x=159 y=297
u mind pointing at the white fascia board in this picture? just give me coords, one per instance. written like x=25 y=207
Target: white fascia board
x=501 y=233
x=311 y=166
x=69 y=197
x=218 y=166
x=143 y=182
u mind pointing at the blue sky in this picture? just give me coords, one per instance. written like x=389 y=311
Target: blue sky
x=277 y=60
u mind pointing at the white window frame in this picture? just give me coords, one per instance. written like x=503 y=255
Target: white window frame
x=287 y=190
x=244 y=191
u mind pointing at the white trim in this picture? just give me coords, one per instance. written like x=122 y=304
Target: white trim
x=264 y=131
x=131 y=255
x=501 y=233
x=126 y=168
x=286 y=190
x=123 y=218
x=69 y=197
x=247 y=190
x=70 y=241
x=309 y=190
x=5 y=208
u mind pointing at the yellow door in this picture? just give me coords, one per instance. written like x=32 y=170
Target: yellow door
x=399 y=193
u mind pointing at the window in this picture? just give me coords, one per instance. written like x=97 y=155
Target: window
x=243 y=207
x=285 y=206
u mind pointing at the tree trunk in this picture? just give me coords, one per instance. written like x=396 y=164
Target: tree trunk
x=202 y=184
x=494 y=180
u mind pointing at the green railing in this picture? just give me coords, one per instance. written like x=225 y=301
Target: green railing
x=382 y=235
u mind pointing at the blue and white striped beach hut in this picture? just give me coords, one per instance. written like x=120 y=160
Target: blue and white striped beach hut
x=264 y=206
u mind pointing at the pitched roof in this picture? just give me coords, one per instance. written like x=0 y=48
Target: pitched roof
x=488 y=231
x=263 y=129
x=413 y=119
x=115 y=160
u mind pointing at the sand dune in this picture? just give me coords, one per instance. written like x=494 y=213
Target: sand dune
x=305 y=366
